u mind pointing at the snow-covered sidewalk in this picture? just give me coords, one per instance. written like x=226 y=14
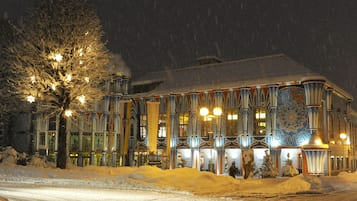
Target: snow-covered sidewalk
x=180 y=179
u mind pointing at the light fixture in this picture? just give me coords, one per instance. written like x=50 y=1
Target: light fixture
x=204 y=111
x=68 y=77
x=33 y=79
x=58 y=57
x=217 y=111
x=343 y=136
x=68 y=113
x=31 y=98
x=82 y=99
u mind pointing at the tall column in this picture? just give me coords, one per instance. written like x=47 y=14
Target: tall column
x=218 y=135
x=94 y=128
x=330 y=137
x=38 y=126
x=348 y=132
x=80 y=140
x=244 y=102
x=193 y=131
x=273 y=104
x=329 y=109
x=116 y=127
x=313 y=98
x=56 y=137
x=172 y=102
x=315 y=151
x=105 y=144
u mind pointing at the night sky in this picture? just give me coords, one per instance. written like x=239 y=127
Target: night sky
x=160 y=34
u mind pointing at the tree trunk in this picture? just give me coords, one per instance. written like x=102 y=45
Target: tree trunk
x=62 y=144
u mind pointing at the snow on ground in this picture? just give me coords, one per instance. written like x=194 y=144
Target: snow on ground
x=182 y=180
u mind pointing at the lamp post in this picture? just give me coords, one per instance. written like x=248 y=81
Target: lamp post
x=343 y=137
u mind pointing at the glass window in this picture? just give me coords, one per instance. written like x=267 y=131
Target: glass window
x=162 y=125
x=183 y=124
x=99 y=142
x=260 y=121
x=74 y=142
x=52 y=123
x=51 y=140
x=232 y=122
x=143 y=123
x=42 y=139
x=87 y=142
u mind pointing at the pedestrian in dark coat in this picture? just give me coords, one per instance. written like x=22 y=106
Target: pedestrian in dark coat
x=233 y=170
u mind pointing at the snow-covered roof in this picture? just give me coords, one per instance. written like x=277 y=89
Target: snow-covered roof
x=117 y=66
x=259 y=71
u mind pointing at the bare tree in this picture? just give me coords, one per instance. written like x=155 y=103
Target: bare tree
x=58 y=60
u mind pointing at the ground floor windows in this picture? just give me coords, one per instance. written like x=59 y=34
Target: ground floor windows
x=143 y=124
x=87 y=142
x=98 y=141
x=162 y=125
x=74 y=142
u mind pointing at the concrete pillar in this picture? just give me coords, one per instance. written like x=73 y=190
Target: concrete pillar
x=315 y=151
x=245 y=104
x=172 y=103
x=273 y=104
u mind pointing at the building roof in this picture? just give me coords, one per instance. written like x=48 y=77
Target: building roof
x=273 y=69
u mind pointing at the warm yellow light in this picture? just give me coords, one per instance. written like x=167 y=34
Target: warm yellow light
x=82 y=99
x=86 y=79
x=232 y=117
x=260 y=115
x=217 y=111
x=68 y=113
x=318 y=141
x=58 y=57
x=262 y=124
x=33 y=79
x=80 y=62
x=68 y=77
x=30 y=98
x=53 y=86
x=343 y=136
x=81 y=52
x=204 y=111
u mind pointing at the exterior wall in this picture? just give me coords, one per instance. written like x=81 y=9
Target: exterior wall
x=287 y=129
x=114 y=131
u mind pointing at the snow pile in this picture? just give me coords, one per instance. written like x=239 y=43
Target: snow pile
x=9 y=156
x=183 y=180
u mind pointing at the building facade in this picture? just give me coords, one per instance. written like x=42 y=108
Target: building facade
x=208 y=115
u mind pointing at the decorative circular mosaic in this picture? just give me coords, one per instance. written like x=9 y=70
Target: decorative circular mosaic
x=291 y=116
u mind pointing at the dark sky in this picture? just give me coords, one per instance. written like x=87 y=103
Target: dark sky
x=159 y=34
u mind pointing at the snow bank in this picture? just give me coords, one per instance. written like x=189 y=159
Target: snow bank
x=184 y=180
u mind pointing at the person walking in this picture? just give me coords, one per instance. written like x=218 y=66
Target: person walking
x=233 y=170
